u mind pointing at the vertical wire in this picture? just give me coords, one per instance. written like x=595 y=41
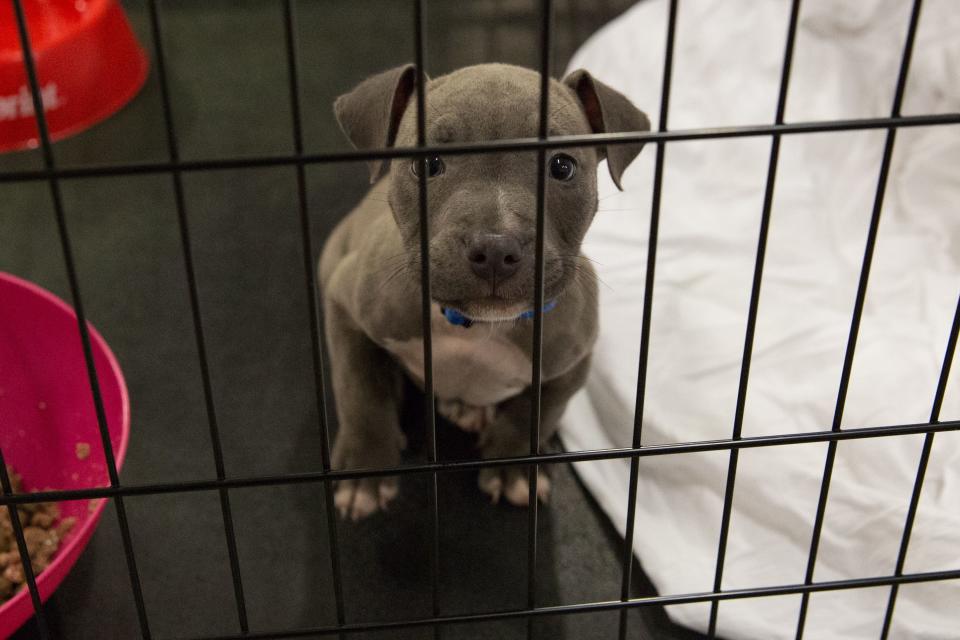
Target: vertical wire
x=67 y=250
x=199 y=339
x=922 y=469
x=24 y=552
x=316 y=352
x=752 y=315
x=420 y=44
x=628 y=538
x=546 y=33
x=858 y=312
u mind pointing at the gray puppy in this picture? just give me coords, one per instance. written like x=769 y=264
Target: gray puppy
x=482 y=211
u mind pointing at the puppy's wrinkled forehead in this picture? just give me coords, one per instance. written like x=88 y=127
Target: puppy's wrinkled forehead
x=492 y=102
x=486 y=102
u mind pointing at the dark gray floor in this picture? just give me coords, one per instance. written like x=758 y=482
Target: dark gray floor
x=227 y=74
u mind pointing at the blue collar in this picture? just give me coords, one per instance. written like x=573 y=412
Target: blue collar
x=454 y=317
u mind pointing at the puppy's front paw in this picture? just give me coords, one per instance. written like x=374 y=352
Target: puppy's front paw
x=512 y=483
x=357 y=499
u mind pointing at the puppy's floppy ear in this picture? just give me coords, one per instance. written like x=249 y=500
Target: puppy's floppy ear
x=371 y=113
x=609 y=111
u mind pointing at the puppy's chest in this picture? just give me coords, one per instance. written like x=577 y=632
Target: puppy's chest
x=479 y=366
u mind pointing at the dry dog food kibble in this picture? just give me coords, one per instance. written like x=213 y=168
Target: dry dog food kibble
x=42 y=531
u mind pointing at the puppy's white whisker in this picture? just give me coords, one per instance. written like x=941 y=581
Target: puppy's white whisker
x=609 y=195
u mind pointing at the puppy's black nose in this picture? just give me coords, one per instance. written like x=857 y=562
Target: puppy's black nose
x=493 y=256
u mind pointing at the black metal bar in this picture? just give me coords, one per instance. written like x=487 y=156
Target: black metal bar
x=199 y=340
x=593 y=607
x=316 y=351
x=752 y=314
x=467 y=465
x=628 y=538
x=858 y=311
x=429 y=406
x=82 y=327
x=922 y=468
x=24 y=552
x=491 y=146
x=536 y=385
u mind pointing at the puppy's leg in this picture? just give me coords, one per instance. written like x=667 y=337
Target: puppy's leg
x=509 y=435
x=367 y=385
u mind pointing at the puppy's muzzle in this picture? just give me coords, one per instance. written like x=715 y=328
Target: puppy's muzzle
x=493 y=256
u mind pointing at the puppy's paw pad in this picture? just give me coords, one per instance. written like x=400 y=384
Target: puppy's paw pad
x=388 y=491
x=518 y=491
x=357 y=500
x=343 y=498
x=491 y=484
x=543 y=488
x=513 y=486
x=365 y=503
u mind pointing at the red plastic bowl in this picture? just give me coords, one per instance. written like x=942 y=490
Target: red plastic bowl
x=46 y=410
x=88 y=64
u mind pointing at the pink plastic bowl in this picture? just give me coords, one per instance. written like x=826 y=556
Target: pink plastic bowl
x=46 y=410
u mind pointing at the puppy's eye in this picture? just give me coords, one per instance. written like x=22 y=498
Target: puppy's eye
x=435 y=166
x=562 y=167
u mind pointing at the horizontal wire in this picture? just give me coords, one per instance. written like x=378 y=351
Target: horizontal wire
x=491 y=146
x=591 y=607
x=465 y=465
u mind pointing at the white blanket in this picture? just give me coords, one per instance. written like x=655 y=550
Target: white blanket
x=726 y=72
